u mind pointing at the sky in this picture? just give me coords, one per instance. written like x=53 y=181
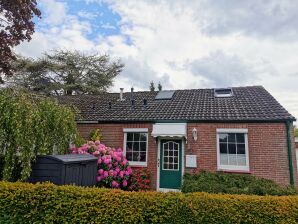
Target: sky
x=181 y=44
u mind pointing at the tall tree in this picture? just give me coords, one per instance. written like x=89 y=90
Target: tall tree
x=152 y=86
x=66 y=73
x=159 y=87
x=16 y=25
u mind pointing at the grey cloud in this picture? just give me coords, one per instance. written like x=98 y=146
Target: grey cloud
x=275 y=19
x=221 y=70
x=140 y=74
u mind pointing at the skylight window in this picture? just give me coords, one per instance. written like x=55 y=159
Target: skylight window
x=164 y=95
x=223 y=92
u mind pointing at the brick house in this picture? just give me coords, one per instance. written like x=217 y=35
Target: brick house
x=237 y=130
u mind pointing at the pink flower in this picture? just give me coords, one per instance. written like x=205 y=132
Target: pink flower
x=97 y=142
x=100 y=171
x=121 y=174
x=99 y=161
x=124 y=184
x=98 y=178
x=115 y=184
x=106 y=161
x=110 y=166
x=111 y=172
x=105 y=173
x=124 y=162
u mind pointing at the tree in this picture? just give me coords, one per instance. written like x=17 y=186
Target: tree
x=66 y=73
x=15 y=26
x=159 y=87
x=32 y=125
x=296 y=131
x=152 y=86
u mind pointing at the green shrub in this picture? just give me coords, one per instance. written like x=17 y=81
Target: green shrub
x=47 y=203
x=232 y=184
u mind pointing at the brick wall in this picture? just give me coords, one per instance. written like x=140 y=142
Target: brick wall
x=267 y=145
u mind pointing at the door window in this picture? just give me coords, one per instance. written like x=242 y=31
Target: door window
x=170 y=156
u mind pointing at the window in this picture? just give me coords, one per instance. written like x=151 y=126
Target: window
x=232 y=149
x=223 y=92
x=171 y=156
x=135 y=146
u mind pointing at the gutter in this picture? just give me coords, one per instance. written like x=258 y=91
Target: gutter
x=288 y=127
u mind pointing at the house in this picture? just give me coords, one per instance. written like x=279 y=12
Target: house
x=235 y=130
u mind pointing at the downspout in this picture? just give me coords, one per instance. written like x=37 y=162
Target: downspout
x=288 y=126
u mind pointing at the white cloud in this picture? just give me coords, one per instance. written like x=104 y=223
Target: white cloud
x=55 y=11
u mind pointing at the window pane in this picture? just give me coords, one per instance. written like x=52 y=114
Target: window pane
x=166 y=159
x=136 y=156
x=136 y=146
x=232 y=159
x=129 y=136
x=166 y=166
x=176 y=146
x=223 y=137
x=170 y=153
x=224 y=159
x=136 y=137
x=176 y=160
x=241 y=159
x=129 y=156
x=143 y=156
x=171 y=159
x=143 y=146
x=170 y=145
x=232 y=148
x=128 y=146
x=240 y=148
x=223 y=147
x=240 y=137
x=166 y=152
x=170 y=166
x=231 y=137
x=143 y=136
x=176 y=153
x=176 y=166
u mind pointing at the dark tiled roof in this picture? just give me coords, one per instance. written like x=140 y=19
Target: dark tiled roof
x=247 y=104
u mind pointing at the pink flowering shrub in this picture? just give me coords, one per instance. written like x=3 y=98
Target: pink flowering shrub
x=113 y=168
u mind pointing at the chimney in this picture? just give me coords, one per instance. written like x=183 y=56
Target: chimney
x=121 y=94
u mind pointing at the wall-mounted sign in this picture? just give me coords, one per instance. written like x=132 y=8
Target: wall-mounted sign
x=191 y=161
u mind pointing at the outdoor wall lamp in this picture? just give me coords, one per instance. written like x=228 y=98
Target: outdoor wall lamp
x=195 y=134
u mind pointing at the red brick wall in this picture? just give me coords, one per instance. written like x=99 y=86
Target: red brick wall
x=267 y=144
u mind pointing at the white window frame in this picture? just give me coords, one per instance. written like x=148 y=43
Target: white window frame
x=232 y=167
x=135 y=130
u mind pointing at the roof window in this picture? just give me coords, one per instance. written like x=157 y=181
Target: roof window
x=223 y=92
x=164 y=95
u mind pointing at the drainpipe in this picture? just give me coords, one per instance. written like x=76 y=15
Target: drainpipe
x=288 y=126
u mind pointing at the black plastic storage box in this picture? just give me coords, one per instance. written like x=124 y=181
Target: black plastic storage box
x=76 y=169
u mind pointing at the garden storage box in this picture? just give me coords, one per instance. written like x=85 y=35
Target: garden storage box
x=77 y=169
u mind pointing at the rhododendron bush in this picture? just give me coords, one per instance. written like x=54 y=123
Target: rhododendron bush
x=140 y=180
x=113 y=168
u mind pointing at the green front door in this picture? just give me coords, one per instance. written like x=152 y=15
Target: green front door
x=170 y=164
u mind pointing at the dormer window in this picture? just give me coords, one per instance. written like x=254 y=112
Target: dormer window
x=223 y=92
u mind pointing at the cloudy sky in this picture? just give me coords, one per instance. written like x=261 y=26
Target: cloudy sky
x=182 y=44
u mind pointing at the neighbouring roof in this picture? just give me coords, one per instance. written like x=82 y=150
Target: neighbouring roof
x=252 y=103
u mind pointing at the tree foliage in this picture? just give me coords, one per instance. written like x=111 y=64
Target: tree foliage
x=152 y=86
x=30 y=126
x=16 y=25
x=66 y=73
x=296 y=132
x=159 y=87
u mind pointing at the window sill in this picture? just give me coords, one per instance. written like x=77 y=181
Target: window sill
x=132 y=164
x=235 y=171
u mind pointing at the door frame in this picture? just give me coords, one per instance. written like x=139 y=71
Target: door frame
x=158 y=163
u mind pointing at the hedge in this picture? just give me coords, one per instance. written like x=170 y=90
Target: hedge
x=47 y=203
x=220 y=182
